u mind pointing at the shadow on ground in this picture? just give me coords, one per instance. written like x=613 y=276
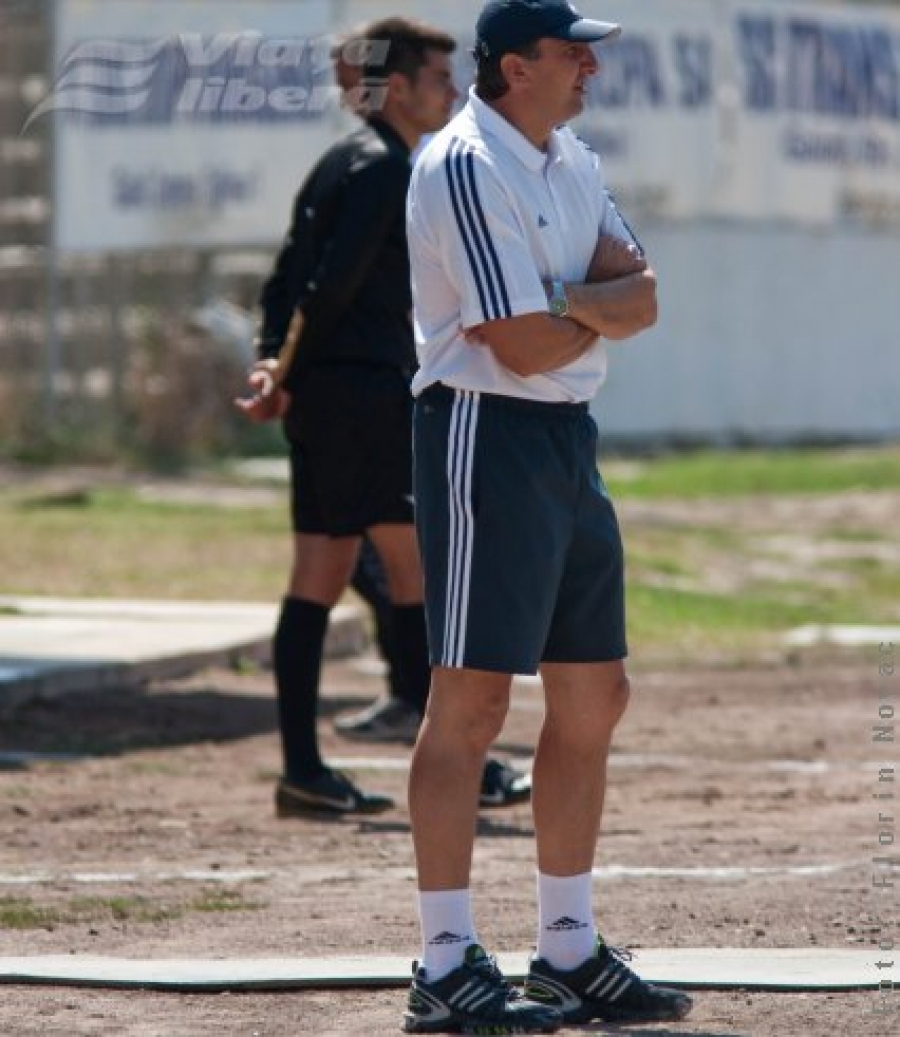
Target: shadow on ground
x=125 y=720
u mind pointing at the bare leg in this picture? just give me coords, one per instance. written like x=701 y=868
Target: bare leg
x=322 y=567
x=466 y=710
x=398 y=549
x=584 y=704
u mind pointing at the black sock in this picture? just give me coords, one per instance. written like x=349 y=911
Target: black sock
x=297 y=661
x=370 y=583
x=411 y=654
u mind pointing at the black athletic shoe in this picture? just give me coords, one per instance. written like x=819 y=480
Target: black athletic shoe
x=604 y=987
x=475 y=998
x=388 y=719
x=503 y=786
x=330 y=793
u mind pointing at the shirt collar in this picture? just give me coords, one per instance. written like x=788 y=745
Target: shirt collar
x=388 y=134
x=491 y=121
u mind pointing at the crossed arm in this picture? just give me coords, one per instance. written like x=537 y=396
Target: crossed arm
x=617 y=300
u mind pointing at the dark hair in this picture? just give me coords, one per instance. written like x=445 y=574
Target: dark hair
x=490 y=83
x=402 y=45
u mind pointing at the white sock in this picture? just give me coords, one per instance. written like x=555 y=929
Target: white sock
x=567 y=933
x=447 y=930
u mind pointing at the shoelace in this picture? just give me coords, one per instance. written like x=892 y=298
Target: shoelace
x=620 y=956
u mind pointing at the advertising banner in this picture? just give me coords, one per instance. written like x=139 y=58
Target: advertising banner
x=185 y=123
x=191 y=123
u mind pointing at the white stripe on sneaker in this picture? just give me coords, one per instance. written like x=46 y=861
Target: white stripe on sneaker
x=476 y=1001
x=604 y=982
x=620 y=989
x=458 y=995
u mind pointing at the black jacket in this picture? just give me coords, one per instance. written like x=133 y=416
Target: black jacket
x=344 y=261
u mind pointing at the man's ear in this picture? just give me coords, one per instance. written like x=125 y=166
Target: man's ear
x=398 y=86
x=515 y=69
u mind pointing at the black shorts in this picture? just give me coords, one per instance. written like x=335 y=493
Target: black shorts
x=350 y=433
x=519 y=539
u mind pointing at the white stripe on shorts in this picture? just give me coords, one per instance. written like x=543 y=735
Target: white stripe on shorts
x=460 y=459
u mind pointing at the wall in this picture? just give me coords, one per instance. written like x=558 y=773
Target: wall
x=766 y=334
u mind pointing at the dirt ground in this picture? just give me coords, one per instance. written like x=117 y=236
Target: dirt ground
x=772 y=770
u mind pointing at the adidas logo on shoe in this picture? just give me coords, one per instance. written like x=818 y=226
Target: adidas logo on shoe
x=445 y=938
x=566 y=925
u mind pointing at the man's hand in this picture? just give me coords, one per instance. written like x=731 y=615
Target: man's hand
x=614 y=258
x=268 y=401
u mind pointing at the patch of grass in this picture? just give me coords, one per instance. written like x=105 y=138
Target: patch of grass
x=156 y=768
x=858 y=536
x=21 y=913
x=673 y=619
x=17 y=791
x=713 y=473
x=223 y=900
x=118 y=546
x=24 y=913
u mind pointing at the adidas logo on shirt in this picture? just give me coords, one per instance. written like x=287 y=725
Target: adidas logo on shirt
x=542 y=222
x=565 y=925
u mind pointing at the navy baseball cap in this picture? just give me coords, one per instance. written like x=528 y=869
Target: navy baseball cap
x=506 y=25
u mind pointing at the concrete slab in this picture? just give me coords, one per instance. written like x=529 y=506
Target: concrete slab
x=698 y=968
x=845 y=635
x=51 y=647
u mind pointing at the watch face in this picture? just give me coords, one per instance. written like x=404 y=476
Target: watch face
x=559 y=306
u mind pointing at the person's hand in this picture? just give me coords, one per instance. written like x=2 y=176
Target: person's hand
x=268 y=401
x=614 y=258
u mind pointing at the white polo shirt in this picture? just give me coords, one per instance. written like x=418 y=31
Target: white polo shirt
x=489 y=218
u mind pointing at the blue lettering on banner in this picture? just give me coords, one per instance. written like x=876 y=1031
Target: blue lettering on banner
x=632 y=75
x=757 y=49
x=835 y=148
x=693 y=63
x=211 y=189
x=807 y=66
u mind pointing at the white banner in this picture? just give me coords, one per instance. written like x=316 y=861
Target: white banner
x=753 y=111
x=186 y=123
x=192 y=122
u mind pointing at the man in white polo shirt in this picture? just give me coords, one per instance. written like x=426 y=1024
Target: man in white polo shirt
x=521 y=268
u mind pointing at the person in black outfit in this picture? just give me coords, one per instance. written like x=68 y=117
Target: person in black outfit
x=338 y=300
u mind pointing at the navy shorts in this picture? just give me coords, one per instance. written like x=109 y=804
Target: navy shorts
x=350 y=433
x=519 y=539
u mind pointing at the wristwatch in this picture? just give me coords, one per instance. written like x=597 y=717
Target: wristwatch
x=559 y=304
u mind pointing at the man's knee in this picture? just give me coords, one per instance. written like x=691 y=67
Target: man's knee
x=618 y=698
x=471 y=710
x=587 y=717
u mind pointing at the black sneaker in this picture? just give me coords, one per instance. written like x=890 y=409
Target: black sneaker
x=388 y=719
x=604 y=987
x=475 y=998
x=503 y=786
x=330 y=793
